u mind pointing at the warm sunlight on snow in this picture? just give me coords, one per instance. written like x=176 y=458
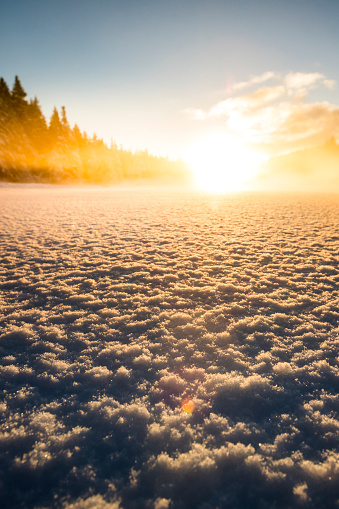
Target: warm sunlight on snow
x=221 y=163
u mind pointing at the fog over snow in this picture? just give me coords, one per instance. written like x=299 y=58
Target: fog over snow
x=166 y=349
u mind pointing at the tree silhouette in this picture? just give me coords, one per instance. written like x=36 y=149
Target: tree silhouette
x=37 y=125
x=5 y=105
x=32 y=149
x=55 y=126
x=5 y=95
x=18 y=99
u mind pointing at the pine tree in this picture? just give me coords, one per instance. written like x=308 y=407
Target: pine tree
x=12 y=124
x=18 y=99
x=64 y=120
x=78 y=140
x=5 y=94
x=5 y=105
x=35 y=112
x=55 y=128
x=17 y=90
x=36 y=125
x=66 y=129
x=5 y=130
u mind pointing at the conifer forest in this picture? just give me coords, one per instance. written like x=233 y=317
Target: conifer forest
x=33 y=149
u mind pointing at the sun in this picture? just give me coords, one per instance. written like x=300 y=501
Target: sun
x=221 y=163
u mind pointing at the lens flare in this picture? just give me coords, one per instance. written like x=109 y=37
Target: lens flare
x=188 y=405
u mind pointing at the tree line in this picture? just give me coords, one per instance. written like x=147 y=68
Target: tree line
x=33 y=149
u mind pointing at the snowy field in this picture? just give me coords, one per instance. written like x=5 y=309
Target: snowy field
x=165 y=349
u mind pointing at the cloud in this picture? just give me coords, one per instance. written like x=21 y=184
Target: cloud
x=278 y=116
x=228 y=303
x=247 y=104
x=330 y=84
x=256 y=80
x=301 y=80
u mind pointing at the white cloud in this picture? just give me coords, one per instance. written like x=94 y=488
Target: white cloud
x=256 y=80
x=330 y=84
x=301 y=80
x=278 y=115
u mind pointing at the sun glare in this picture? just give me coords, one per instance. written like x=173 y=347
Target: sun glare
x=221 y=163
x=188 y=405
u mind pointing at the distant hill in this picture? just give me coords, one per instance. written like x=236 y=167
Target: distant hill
x=311 y=169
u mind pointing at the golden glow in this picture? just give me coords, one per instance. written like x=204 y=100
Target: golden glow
x=221 y=163
x=187 y=405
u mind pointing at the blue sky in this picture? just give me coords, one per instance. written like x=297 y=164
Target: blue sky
x=138 y=72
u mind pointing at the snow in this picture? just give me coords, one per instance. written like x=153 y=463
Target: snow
x=119 y=306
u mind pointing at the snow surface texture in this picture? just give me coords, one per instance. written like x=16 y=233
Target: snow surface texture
x=116 y=305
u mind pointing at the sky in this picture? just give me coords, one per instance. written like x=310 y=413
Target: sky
x=164 y=74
